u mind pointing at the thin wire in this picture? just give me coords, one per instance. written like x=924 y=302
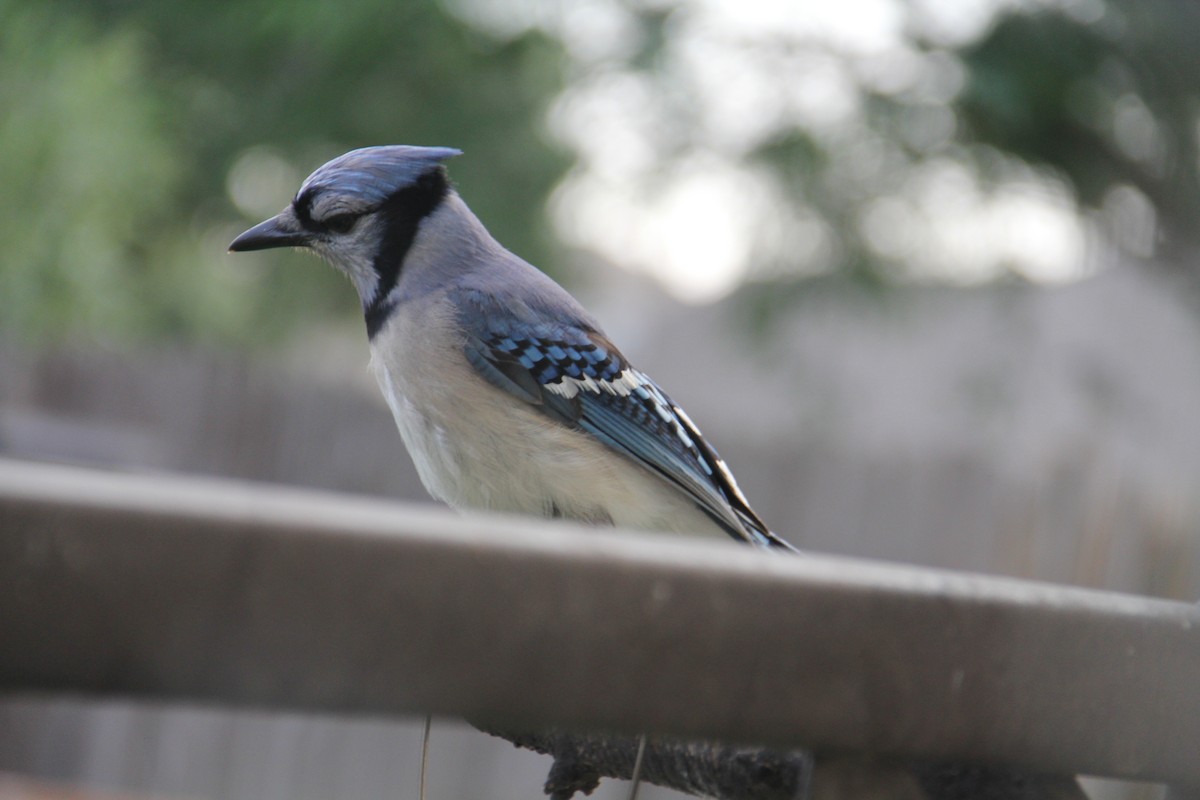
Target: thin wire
x=425 y=755
x=636 y=777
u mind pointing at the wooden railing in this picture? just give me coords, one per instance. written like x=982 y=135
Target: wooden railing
x=245 y=594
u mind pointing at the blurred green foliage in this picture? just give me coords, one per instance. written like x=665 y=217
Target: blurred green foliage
x=124 y=124
x=120 y=122
x=1100 y=96
x=1088 y=104
x=1110 y=102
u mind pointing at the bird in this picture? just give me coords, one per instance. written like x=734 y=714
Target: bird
x=506 y=391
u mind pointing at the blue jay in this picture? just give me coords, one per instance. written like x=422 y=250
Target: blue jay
x=505 y=389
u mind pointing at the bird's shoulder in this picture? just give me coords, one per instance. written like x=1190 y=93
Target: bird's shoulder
x=531 y=343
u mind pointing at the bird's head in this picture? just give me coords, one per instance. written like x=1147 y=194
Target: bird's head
x=360 y=212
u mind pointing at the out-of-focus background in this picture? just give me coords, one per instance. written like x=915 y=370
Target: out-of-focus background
x=925 y=271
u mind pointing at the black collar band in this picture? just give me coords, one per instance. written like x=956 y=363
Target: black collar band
x=401 y=213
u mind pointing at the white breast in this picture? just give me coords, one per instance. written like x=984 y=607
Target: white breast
x=476 y=446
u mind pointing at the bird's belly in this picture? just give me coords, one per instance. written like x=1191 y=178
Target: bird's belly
x=491 y=451
x=436 y=457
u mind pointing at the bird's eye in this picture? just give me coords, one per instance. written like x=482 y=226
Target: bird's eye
x=341 y=223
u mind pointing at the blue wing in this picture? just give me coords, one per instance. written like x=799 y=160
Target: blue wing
x=578 y=378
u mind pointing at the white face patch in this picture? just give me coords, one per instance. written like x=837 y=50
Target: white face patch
x=353 y=253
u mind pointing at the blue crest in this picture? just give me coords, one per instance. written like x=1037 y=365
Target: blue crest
x=375 y=173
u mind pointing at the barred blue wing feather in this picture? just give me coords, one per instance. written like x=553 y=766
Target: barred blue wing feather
x=578 y=378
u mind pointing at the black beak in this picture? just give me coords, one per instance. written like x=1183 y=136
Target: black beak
x=282 y=230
